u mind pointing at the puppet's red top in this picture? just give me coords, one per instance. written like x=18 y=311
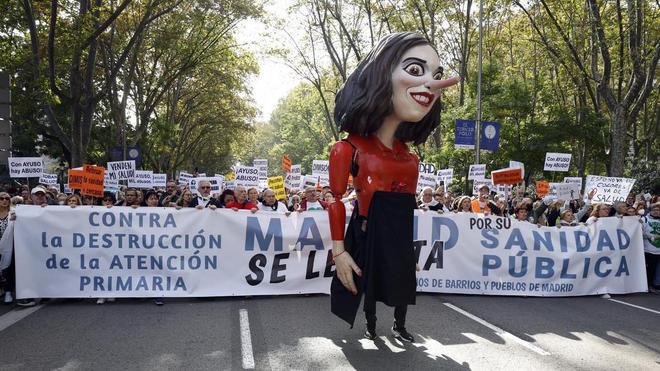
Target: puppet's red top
x=380 y=169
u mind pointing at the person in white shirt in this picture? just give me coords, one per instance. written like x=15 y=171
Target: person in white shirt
x=271 y=204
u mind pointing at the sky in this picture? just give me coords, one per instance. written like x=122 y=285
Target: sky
x=275 y=79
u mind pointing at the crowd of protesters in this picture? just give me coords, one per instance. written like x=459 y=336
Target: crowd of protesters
x=520 y=205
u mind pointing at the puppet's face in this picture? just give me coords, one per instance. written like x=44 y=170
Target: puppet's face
x=411 y=99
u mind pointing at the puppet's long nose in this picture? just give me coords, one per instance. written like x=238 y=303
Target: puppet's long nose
x=441 y=84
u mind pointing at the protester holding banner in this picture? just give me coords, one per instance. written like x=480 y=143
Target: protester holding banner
x=390 y=99
x=7 y=276
x=253 y=196
x=226 y=197
x=311 y=201
x=108 y=199
x=151 y=199
x=73 y=200
x=186 y=198
x=271 y=204
x=463 y=204
x=294 y=202
x=130 y=198
x=171 y=194
x=651 y=231
x=241 y=202
x=426 y=200
x=599 y=211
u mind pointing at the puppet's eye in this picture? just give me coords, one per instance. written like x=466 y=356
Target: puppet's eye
x=415 y=69
x=438 y=74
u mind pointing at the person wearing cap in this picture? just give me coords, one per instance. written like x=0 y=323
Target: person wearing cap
x=481 y=204
x=38 y=196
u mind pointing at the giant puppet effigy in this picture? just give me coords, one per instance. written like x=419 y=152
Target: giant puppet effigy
x=391 y=99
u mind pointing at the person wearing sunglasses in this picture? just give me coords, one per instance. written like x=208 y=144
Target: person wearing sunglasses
x=204 y=198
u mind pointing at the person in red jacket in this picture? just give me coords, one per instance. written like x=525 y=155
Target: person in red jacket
x=390 y=99
x=241 y=202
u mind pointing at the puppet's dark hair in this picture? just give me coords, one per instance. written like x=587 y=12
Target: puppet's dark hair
x=365 y=99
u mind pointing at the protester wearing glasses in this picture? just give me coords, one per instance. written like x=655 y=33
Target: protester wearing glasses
x=186 y=198
x=204 y=198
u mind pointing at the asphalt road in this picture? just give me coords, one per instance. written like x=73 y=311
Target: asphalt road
x=453 y=332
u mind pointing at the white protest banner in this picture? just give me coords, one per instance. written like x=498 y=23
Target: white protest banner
x=574 y=180
x=184 y=178
x=159 y=180
x=246 y=176
x=120 y=170
x=477 y=172
x=262 y=165
x=141 y=179
x=26 y=167
x=67 y=190
x=121 y=252
x=565 y=191
x=425 y=180
x=445 y=175
x=608 y=189
x=110 y=185
x=519 y=165
x=557 y=161
x=230 y=184
x=48 y=179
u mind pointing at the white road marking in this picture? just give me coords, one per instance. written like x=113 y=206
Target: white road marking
x=635 y=306
x=499 y=331
x=16 y=315
x=246 y=340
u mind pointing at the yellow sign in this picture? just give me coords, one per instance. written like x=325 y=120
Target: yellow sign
x=276 y=183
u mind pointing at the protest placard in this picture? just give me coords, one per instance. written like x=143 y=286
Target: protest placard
x=294 y=178
x=309 y=181
x=507 y=176
x=75 y=179
x=425 y=180
x=574 y=180
x=48 y=179
x=184 y=178
x=141 y=179
x=277 y=184
x=564 y=191
x=247 y=176
x=426 y=167
x=445 y=176
x=518 y=164
x=542 y=188
x=92 y=184
x=26 y=167
x=320 y=169
x=608 y=189
x=477 y=172
x=160 y=180
x=286 y=163
x=121 y=170
x=557 y=161
x=262 y=165
x=110 y=185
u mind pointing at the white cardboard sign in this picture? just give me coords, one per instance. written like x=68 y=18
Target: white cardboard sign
x=608 y=189
x=141 y=179
x=557 y=161
x=120 y=170
x=160 y=180
x=48 y=179
x=477 y=172
x=26 y=167
x=247 y=176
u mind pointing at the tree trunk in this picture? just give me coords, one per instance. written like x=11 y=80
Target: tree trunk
x=617 y=142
